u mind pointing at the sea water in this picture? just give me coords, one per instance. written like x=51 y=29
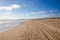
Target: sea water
x=8 y=24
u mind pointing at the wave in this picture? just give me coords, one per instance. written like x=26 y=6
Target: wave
x=8 y=24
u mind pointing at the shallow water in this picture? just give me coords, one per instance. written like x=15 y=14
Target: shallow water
x=8 y=24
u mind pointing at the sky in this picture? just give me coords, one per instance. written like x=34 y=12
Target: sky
x=29 y=9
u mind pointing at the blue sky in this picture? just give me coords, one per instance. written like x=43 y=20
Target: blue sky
x=29 y=9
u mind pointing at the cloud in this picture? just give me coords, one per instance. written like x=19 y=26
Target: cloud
x=49 y=14
x=42 y=14
x=15 y=6
x=8 y=15
x=31 y=15
x=11 y=7
x=37 y=13
x=53 y=10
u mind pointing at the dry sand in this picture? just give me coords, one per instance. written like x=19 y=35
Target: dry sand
x=43 y=29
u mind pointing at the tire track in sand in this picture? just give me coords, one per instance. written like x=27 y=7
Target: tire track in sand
x=50 y=31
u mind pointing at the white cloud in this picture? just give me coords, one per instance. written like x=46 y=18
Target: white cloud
x=53 y=10
x=50 y=15
x=15 y=6
x=38 y=14
x=46 y=15
x=8 y=15
x=35 y=13
x=41 y=14
x=27 y=14
x=11 y=7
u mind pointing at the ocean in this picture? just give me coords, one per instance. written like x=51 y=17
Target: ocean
x=8 y=24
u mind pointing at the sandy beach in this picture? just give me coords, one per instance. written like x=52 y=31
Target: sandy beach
x=39 y=29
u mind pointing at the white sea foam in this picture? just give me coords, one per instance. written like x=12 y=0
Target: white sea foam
x=5 y=25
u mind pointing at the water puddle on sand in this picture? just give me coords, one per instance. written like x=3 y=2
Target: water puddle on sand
x=8 y=24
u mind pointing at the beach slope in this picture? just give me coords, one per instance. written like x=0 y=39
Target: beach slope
x=38 y=29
